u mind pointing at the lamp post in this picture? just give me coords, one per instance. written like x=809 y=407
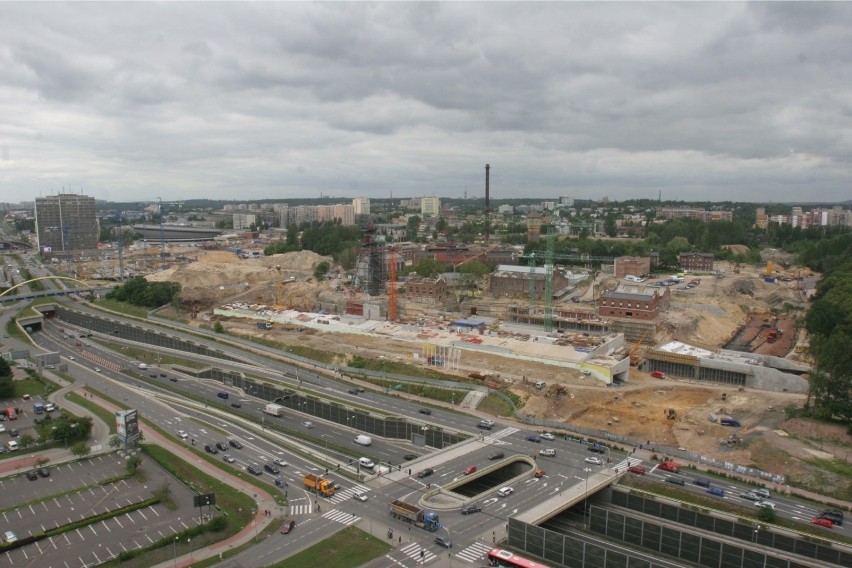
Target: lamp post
x=174 y=550
x=189 y=544
x=586 y=496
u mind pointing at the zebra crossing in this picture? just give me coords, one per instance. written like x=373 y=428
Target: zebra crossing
x=346 y=494
x=493 y=438
x=474 y=552
x=341 y=517
x=626 y=463
x=301 y=509
x=417 y=552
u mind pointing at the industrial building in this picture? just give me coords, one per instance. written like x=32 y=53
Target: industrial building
x=66 y=222
x=700 y=261
x=510 y=281
x=635 y=265
x=634 y=302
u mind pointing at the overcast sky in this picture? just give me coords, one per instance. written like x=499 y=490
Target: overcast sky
x=698 y=101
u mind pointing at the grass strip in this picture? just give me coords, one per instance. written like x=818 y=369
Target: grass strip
x=348 y=548
x=102 y=413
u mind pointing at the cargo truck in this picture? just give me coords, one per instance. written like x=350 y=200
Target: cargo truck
x=264 y=325
x=317 y=484
x=415 y=515
x=671 y=466
x=274 y=409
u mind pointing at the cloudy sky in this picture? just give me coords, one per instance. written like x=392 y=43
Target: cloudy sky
x=698 y=101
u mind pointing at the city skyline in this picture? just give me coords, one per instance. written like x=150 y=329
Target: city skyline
x=240 y=101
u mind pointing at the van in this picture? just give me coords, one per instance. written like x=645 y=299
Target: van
x=38 y=407
x=363 y=440
x=11 y=445
x=11 y=413
x=223 y=395
x=366 y=462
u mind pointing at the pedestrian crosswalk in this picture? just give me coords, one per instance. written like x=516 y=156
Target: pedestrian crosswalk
x=626 y=463
x=300 y=509
x=493 y=438
x=416 y=552
x=474 y=552
x=347 y=494
x=341 y=517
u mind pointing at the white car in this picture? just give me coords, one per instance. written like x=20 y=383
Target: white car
x=366 y=462
x=97 y=369
x=2 y=428
x=594 y=460
x=182 y=435
x=72 y=358
x=505 y=491
x=228 y=458
x=765 y=503
x=9 y=537
x=360 y=496
x=548 y=436
x=549 y=452
x=281 y=462
x=308 y=424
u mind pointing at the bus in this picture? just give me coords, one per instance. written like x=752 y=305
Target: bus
x=500 y=557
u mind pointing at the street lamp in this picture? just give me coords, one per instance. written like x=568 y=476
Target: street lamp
x=586 y=495
x=174 y=549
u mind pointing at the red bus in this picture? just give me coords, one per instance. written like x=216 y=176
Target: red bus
x=500 y=557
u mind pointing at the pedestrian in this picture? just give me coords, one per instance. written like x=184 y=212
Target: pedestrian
x=400 y=541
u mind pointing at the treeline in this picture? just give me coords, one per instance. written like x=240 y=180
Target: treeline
x=140 y=292
x=829 y=323
x=328 y=239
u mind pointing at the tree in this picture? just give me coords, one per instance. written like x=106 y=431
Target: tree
x=7 y=387
x=766 y=514
x=133 y=463
x=412 y=227
x=5 y=369
x=114 y=442
x=27 y=440
x=81 y=449
x=321 y=270
x=217 y=327
x=428 y=268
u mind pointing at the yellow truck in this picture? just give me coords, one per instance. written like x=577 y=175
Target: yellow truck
x=319 y=485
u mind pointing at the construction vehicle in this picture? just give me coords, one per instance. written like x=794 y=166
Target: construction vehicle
x=671 y=414
x=319 y=485
x=636 y=358
x=671 y=466
x=415 y=515
x=264 y=325
x=773 y=334
x=274 y=409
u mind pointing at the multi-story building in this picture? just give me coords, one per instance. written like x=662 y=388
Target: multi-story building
x=514 y=281
x=702 y=261
x=283 y=215
x=426 y=290
x=635 y=265
x=703 y=215
x=66 y=222
x=244 y=220
x=361 y=205
x=566 y=201
x=430 y=206
x=634 y=302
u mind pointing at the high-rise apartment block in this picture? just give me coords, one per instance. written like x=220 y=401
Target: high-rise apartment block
x=244 y=220
x=66 y=222
x=430 y=206
x=361 y=205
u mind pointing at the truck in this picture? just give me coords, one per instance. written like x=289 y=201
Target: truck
x=319 y=485
x=773 y=334
x=274 y=409
x=671 y=466
x=264 y=325
x=38 y=407
x=415 y=515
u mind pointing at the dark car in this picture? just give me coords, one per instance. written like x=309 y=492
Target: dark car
x=425 y=411
x=701 y=482
x=32 y=475
x=353 y=391
x=173 y=379
x=211 y=449
x=426 y=473
x=44 y=472
x=235 y=444
x=717 y=491
x=163 y=375
x=675 y=480
x=534 y=438
x=236 y=404
x=271 y=468
x=470 y=508
x=153 y=375
x=13 y=432
x=833 y=515
x=409 y=457
x=597 y=449
x=497 y=456
x=222 y=446
x=254 y=470
x=287 y=527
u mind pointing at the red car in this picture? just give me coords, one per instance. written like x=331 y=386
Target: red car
x=470 y=469
x=658 y=375
x=823 y=522
x=637 y=469
x=287 y=527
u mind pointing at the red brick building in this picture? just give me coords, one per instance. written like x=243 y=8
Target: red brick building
x=635 y=265
x=702 y=261
x=634 y=302
x=426 y=290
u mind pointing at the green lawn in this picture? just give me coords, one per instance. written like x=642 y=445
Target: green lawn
x=123 y=308
x=101 y=413
x=348 y=548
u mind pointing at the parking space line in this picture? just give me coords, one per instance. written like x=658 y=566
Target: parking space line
x=32 y=510
x=80 y=534
x=94 y=532
x=44 y=504
x=67 y=541
x=149 y=538
x=130 y=518
x=51 y=541
x=82 y=563
x=154 y=510
x=111 y=555
x=124 y=548
x=105 y=525
x=119 y=523
x=143 y=514
x=96 y=558
x=20 y=516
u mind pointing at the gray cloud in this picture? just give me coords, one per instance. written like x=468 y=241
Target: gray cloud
x=742 y=101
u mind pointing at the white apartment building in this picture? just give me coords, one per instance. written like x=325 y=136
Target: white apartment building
x=430 y=206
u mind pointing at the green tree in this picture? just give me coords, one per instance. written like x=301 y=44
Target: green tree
x=5 y=369
x=7 y=387
x=412 y=227
x=321 y=270
x=133 y=463
x=114 y=442
x=80 y=450
x=766 y=514
x=217 y=327
x=27 y=440
x=428 y=268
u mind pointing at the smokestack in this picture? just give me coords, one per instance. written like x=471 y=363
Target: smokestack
x=487 y=202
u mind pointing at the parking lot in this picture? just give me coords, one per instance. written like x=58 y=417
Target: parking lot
x=48 y=506
x=25 y=421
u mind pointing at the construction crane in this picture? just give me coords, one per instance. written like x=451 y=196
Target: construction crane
x=635 y=359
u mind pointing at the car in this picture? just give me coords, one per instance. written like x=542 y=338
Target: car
x=43 y=472
x=658 y=374
x=366 y=462
x=594 y=460
x=762 y=493
x=163 y=375
x=548 y=436
x=444 y=541
x=637 y=469
x=153 y=375
x=426 y=473
x=833 y=515
x=97 y=369
x=271 y=468
x=254 y=470
x=701 y=482
x=597 y=449
x=822 y=522
x=235 y=444
x=469 y=469
x=547 y=452
x=173 y=379
x=534 y=438
x=236 y=404
x=470 y=508
x=32 y=475
x=765 y=503
x=3 y=428
x=496 y=456
x=675 y=480
x=222 y=446
x=353 y=391
x=307 y=424
x=539 y=473
x=425 y=411
x=360 y=496
x=72 y=358
x=505 y=491
x=485 y=424
x=281 y=462
x=751 y=496
x=26 y=397
x=13 y=433
x=287 y=527
x=228 y=458
x=9 y=537
x=210 y=449
x=409 y=457
x=717 y=491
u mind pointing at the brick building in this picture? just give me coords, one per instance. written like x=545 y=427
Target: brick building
x=427 y=290
x=514 y=281
x=634 y=302
x=635 y=265
x=702 y=261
